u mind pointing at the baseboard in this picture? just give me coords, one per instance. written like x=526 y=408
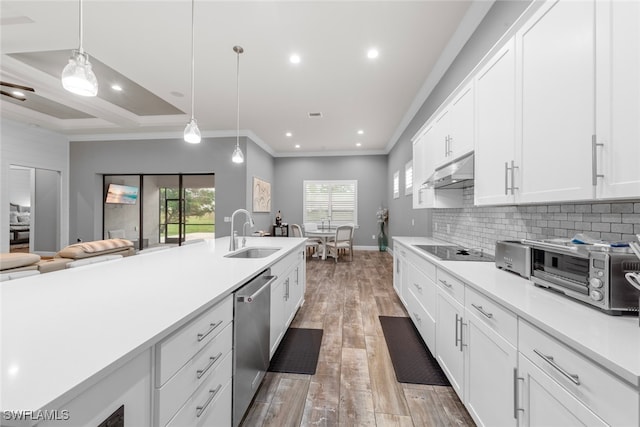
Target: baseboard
x=366 y=248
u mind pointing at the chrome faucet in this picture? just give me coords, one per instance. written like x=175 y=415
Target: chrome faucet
x=233 y=241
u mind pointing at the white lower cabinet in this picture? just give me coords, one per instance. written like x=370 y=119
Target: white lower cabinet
x=287 y=294
x=449 y=340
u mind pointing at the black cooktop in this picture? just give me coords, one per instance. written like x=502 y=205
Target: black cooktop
x=456 y=253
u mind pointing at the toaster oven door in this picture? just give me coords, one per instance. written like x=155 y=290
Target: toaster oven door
x=561 y=271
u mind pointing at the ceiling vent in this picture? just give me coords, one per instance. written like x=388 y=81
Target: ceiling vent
x=315 y=115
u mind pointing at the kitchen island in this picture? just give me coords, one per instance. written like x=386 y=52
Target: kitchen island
x=544 y=357
x=64 y=333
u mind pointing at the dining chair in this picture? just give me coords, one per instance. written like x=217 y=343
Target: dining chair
x=312 y=244
x=343 y=240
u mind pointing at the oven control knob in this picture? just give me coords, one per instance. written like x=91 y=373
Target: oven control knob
x=600 y=273
x=596 y=295
x=595 y=282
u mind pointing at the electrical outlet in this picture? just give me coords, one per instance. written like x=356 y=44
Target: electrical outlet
x=373 y=236
x=448 y=228
x=227 y=219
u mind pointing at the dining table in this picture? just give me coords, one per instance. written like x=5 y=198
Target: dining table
x=324 y=235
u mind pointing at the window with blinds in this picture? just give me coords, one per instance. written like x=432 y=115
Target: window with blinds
x=408 y=178
x=330 y=200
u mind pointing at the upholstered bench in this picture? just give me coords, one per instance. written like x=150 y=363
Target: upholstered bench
x=95 y=248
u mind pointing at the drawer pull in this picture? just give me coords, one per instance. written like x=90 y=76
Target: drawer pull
x=481 y=310
x=447 y=284
x=549 y=359
x=458 y=318
x=417 y=317
x=213 y=326
x=516 y=393
x=212 y=361
x=418 y=287
x=212 y=394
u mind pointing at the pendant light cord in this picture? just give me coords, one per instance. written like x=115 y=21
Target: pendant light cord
x=238 y=52
x=193 y=61
x=80 y=28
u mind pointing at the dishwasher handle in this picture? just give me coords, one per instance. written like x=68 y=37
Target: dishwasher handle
x=250 y=298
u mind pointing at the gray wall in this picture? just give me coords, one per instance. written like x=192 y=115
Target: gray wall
x=89 y=160
x=369 y=171
x=496 y=22
x=260 y=164
x=46 y=215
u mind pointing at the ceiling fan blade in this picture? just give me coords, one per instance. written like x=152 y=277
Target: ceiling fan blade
x=10 y=95
x=17 y=86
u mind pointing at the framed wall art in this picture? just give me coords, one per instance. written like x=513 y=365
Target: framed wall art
x=261 y=195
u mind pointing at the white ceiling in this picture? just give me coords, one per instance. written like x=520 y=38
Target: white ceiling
x=148 y=43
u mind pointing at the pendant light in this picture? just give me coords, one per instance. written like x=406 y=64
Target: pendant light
x=237 y=156
x=77 y=76
x=191 y=131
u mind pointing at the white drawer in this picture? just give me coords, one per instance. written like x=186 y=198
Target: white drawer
x=425 y=323
x=426 y=267
x=612 y=399
x=210 y=405
x=451 y=285
x=281 y=267
x=182 y=345
x=424 y=288
x=498 y=318
x=171 y=396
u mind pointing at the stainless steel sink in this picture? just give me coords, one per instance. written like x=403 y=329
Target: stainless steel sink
x=253 y=252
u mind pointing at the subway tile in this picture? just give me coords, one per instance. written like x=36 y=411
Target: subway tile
x=636 y=207
x=636 y=228
x=584 y=226
x=574 y=217
x=601 y=226
x=553 y=224
x=540 y=209
x=622 y=208
x=583 y=208
x=612 y=217
x=568 y=208
x=592 y=217
x=567 y=224
x=628 y=238
x=601 y=208
x=631 y=218
x=611 y=237
x=553 y=208
x=622 y=228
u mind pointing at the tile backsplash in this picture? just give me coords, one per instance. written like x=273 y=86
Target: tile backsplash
x=480 y=227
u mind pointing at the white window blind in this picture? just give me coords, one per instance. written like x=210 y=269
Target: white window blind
x=408 y=178
x=330 y=200
x=396 y=184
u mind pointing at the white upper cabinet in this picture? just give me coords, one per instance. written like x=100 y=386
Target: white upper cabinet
x=555 y=68
x=461 y=134
x=618 y=106
x=495 y=128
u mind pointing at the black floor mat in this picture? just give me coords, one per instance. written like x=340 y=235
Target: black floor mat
x=412 y=360
x=298 y=352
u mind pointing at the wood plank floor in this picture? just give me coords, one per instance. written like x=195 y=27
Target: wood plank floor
x=355 y=384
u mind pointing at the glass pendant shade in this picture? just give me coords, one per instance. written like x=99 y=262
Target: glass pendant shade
x=237 y=156
x=192 y=133
x=78 y=77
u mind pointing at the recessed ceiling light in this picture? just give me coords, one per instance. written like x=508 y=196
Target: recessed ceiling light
x=358 y=144
x=360 y=132
x=18 y=93
x=372 y=53
x=294 y=59
x=297 y=145
x=116 y=87
x=288 y=134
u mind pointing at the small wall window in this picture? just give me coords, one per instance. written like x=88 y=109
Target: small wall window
x=396 y=184
x=408 y=178
x=331 y=200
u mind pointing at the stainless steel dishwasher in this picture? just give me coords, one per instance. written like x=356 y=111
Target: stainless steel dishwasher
x=252 y=311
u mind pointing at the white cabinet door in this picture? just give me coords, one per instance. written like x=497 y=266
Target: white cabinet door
x=490 y=370
x=543 y=402
x=495 y=128
x=556 y=67
x=399 y=271
x=277 y=317
x=618 y=126
x=449 y=343
x=461 y=131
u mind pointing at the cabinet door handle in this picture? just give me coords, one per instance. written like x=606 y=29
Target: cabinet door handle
x=447 y=284
x=513 y=177
x=549 y=359
x=516 y=393
x=212 y=361
x=418 y=319
x=212 y=394
x=462 y=344
x=418 y=287
x=213 y=326
x=457 y=339
x=594 y=161
x=481 y=310
x=506 y=178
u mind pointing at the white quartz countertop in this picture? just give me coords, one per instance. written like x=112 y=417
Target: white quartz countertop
x=62 y=331
x=611 y=341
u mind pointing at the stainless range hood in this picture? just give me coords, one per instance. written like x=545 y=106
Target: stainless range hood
x=455 y=174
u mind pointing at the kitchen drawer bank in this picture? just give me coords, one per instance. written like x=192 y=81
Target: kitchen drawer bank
x=97 y=339
x=516 y=354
